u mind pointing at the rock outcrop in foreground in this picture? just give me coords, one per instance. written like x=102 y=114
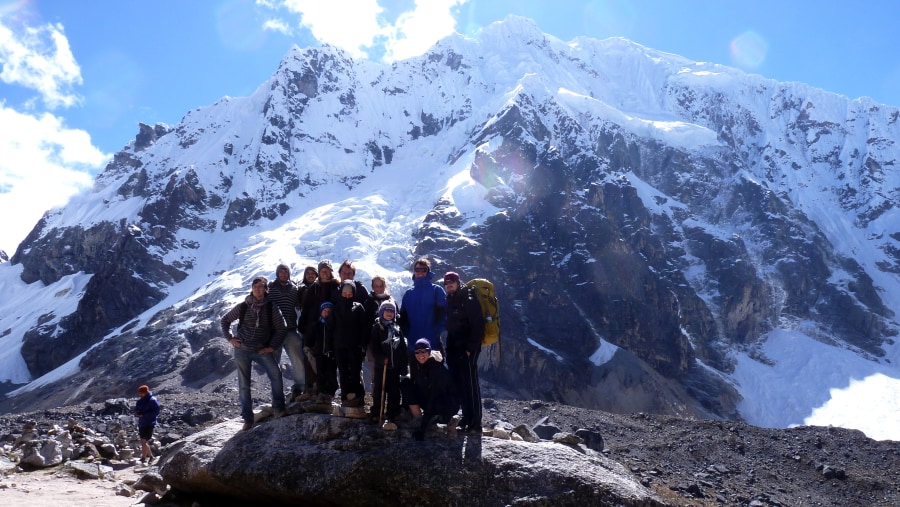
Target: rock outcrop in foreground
x=316 y=459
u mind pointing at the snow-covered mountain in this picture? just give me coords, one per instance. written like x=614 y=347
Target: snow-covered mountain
x=665 y=235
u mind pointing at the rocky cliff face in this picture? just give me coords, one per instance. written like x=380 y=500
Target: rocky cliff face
x=661 y=241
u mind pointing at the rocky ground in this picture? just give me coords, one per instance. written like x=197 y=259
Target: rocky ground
x=686 y=462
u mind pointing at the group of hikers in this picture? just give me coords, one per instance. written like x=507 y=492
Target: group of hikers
x=423 y=352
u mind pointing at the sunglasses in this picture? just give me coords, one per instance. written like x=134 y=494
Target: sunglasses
x=421 y=270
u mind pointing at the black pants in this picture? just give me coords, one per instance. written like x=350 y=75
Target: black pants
x=326 y=374
x=464 y=372
x=349 y=365
x=392 y=391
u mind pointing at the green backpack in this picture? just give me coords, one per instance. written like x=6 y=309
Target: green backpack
x=490 y=309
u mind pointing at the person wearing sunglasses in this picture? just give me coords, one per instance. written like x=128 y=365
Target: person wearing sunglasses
x=430 y=395
x=423 y=308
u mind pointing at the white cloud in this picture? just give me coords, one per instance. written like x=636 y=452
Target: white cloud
x=357 y=26
x=40 y=59
x=417 y=30
x=277 y=25
x=347 y=24
x=42 y=164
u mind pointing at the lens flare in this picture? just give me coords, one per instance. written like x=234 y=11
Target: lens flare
x=748 y=50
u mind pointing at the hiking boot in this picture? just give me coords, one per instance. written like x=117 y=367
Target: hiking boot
x=247 y=425
x=303 y=396
x=413 y=423
x=403 y=417
x=352 y=402
x=451 y=426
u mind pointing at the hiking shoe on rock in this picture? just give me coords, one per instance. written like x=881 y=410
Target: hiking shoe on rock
x=352 y=402
x=413 y=423
x=247 y=425
x=303 y=396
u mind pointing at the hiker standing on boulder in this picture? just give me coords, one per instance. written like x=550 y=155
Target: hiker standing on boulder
x=378 y=295
x=261 y=330
x=146 y=410
x=465 y=328
x=347 y=341
x=285 y=294
x=326 y=368
x=391 y=361
x=310 y=275
x=423 y=308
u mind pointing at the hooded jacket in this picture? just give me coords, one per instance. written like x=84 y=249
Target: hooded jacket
x=423 y=312
x=147 y=410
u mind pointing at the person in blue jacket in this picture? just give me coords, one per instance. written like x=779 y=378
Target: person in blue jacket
x=146 y=410
x=423 y=308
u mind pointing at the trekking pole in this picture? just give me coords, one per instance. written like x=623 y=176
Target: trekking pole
x=383 y=389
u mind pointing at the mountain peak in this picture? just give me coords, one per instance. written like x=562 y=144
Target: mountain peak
x=684 y=223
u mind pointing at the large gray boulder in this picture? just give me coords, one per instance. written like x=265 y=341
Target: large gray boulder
x=315 y=459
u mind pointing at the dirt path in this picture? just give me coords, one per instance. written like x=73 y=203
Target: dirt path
x=54 y=488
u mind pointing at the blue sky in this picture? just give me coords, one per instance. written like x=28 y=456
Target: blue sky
x=77 y=77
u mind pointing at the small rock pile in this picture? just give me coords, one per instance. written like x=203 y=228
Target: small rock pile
x=94 y=441
x=50 y=444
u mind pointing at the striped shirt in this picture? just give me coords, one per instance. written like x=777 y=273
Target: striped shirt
x=259 y=329
x=287 y=298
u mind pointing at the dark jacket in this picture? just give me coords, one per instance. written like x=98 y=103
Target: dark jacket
x=465 y=324
x=434 y=388
x=315 y=339
x=387 y=342
x=260 y=329
x=313 y=297
x=423 y=312
x=349 y=327
x=146 y=409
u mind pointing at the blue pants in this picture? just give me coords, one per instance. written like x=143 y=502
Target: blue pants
x=293 y=345
x=244 y=359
